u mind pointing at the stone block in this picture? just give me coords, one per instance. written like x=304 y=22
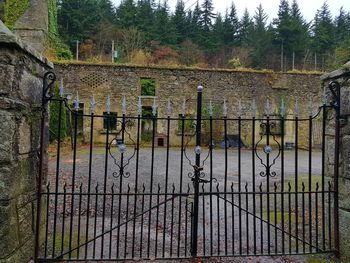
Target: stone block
x=344 y=193
x=30 y=87
x=7 y=136
x=344 y=222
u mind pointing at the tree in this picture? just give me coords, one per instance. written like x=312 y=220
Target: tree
x=126 y=14
x=179 y=20
x=323 y=31
x=145 y=18
x=190 y=53
x=207 y=15
x=261 y=39
x=342 y=24
x=246 y=27
x=283 y=27
x=163 y=28
x=231 y=26
x=73 y=21
x=132 y=39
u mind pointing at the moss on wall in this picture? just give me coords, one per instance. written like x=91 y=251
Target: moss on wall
x=13 y=10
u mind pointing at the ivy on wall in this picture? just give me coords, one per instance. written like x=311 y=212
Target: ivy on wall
x=13 y=10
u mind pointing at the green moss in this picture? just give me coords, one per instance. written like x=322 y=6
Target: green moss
x=14 y=9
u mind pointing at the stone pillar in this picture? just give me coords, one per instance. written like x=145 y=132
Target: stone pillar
x=21 y=71
x=32 y=27
x=343 y=77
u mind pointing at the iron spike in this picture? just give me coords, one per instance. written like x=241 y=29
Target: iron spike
x=169 y=109
x=239 y=109
x=183 y=108
x=224 y=109
x=283 y=108
x=76 y=102
x=253 y=108
x=61 y=89
x=139 y=107
x=154 y=107
x=93 y=104
x=210 y=109
x=124 y=105
x=310 y=108
x=296 y=108
x=108 y=105
x=268 y=108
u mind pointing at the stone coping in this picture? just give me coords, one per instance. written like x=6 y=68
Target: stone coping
x=343 y=72
x=9 y=38
x=180 y=68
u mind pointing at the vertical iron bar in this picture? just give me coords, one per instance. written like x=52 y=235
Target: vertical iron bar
x=181 y=178
x=211 y=185
x=172 y=221
x=157 y=222
x=47 y=217
x=225 y=186
x=330 y=217
x=296 y=185
x=120 y=183
x=336 y=85
x=111 y=222
x=203 y=219
x=89 y=182
x=218 y=216
x=316 y=217
x=303 y=214
x=261 y=221
x=239 y=185
x=105 y=183
x=136 y=183
x=253 y=183
x=151 y=187
x=95 y=222
x=324 y=119
x=247 y=216
x=275 y=216
x=126 y=221
x=310 y=183
x=79 y=219
x=46 y=88
x=282 y=183
x=57 y=174
x=290 y=218
x=73 y=181
x=63 y=217
x=166 y=183
x=194 y=236
x=268 y=184
x=233 y=219
x=141 y=225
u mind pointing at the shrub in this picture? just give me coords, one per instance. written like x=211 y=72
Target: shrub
x=234 y=63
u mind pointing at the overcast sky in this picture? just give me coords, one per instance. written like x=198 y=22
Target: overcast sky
x=308 y=7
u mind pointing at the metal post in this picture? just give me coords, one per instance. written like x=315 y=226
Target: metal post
x=197 y=171
x=293 y=60
x=335 y=89
x=48 y=80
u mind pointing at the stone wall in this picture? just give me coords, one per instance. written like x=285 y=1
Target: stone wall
x=21 y=71
x=179 y=84
x=343 y=77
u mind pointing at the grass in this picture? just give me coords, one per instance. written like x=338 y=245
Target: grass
x=58 y=242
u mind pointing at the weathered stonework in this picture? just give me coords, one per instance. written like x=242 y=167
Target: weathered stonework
x=179 y=84
x=343 y=77
x=21 y=71
x=32 y=27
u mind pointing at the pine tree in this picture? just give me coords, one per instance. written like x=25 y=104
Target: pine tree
x=218 y=36
x=145 y=18
x=231 y=26
x=207 y=16
x=342 y=24
x=323 y=31
x=179 y=20
x=126 y=14
x=261 y=39
x=283 y=27
x=246 y=27
x=163 y=28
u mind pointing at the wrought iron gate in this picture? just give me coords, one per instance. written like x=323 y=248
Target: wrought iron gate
x=250 y=193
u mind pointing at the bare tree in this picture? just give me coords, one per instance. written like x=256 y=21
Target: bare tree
x=132 y=40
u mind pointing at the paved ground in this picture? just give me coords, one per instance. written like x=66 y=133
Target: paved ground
x=151 y=227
